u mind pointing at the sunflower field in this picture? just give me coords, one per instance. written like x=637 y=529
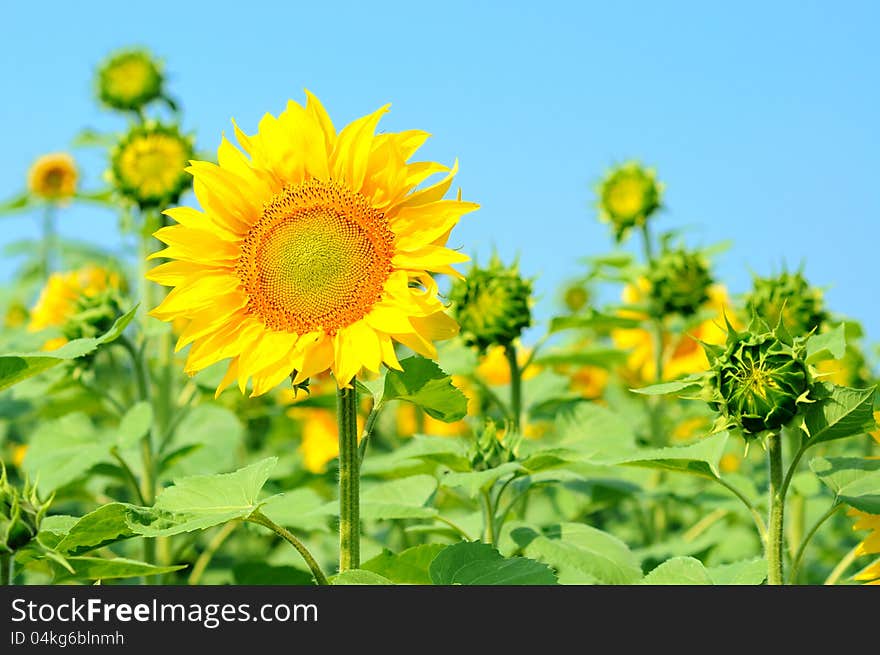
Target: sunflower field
x=296 y=375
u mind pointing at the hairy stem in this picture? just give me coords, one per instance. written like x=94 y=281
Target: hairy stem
x=261 y=519
x=349 y=480
x=515 y=387
x=775 y=534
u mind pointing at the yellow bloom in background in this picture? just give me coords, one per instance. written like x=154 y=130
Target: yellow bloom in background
x=53 y=177
x=869 y=546
x=729 y=463
x=683 y=353
x=875 y=434
x=494 y=369
x=690 y=428
x=16 y=315
x=19 y=452
x=313 y=252
x=149 y=165
x=320 y=436
x=589 y=381
x=129 y=79
x=58 y=299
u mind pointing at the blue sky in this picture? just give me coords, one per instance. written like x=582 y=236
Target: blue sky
x=761 y=118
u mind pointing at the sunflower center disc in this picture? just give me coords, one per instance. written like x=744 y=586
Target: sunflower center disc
x=317 y=258
x=626 y=197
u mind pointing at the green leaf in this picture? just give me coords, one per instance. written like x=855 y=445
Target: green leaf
x=448 y=451
x=203 y=501
x=260 y=573
x=102 y=527
x=596 y=432
x=100 y=568
x=63 y=450
x=16 y=203
x=404 y=498
x=581 y=554
x=827 y=345
x=691 y=381
x=301 y=509
x=212 y=436
x=747 y=572
x=423 y=383
x=15 y=367
x=359 y=577
x=700 y=458
x=679 y=571
x=840 y=412
x=854 y=480
x=594 y=321
x=602 y=357
x=474 y=563
x=134 y=425
x=474 y=482
x=407 y=567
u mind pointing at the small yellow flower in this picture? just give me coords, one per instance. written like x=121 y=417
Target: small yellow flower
x=58 y=299
x=53 y=177
x=129 y=79
x=869 y=546
x=149 y=165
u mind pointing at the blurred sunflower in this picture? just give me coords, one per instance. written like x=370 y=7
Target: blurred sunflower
x=129 y=79
x=62 y=298
x=149 y=165
x=315 y=253
x=53 y=177
x=320 y=436
x=683 y=353
x=628 y=196
x=869 y=546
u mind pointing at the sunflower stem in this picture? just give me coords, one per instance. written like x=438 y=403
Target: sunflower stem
x=349 y=480
x=775 y=533
x=49 y=239
x=799 y=556
x=261 y=519
x=515 y=386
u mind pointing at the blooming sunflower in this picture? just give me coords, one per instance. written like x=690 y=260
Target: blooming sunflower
x=149 y=165
x=869 y=546
x=129 y=79
x=313 y=253
x=58 y=301
x=53 y=176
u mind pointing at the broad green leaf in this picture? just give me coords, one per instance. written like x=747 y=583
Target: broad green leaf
x=407 y=567
x=203 y=501
x=404 y=498
x=300 y=509
x=423 y=383
x=474 y=563
x=581 y=554
x=260 y=573
x=211 y=435
x=679 y=571
x=596 y=432
x=675 y=386
x=700 y=458
x=134 y=425
x=827 y=345
x=15 y=367
x=602 y=357
x=63 y=450
x=359 y=577
x=16 y=203
x=100 y=568
x=54 y=528
x=841 y=412
x=474 y=482
x=106 y=525
x=747 y=572
x=854 y=480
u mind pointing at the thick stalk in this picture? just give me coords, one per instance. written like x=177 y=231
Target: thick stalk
x=349 y=480
x=515 y=386
x=261 y=519
x=5 y=569
x=775 y=532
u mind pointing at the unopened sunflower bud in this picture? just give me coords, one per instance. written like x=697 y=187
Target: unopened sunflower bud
x=680 y=282
x=128 y=80
x=20 y=515
x=788 y=298
x=492 y=305
x=576 y=297
x=489 y=451
x=628 y=196
x=758 y=381
x=94 y=315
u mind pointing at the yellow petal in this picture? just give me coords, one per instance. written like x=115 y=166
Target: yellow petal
x=352 y=151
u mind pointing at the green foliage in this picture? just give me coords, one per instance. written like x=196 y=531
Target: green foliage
x=473 y=563
x=839 y=412
x=854 y=481
x=424 y=384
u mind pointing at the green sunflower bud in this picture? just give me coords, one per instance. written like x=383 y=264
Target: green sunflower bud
x=20 y=514
x=489 y=451
x=758 y=380
x=129 y=79
x=788 y=298
x=628 y=196
x=148 y=166
x=575 y=297
x=492 y=305
x=680 y=282
x=94 y=314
